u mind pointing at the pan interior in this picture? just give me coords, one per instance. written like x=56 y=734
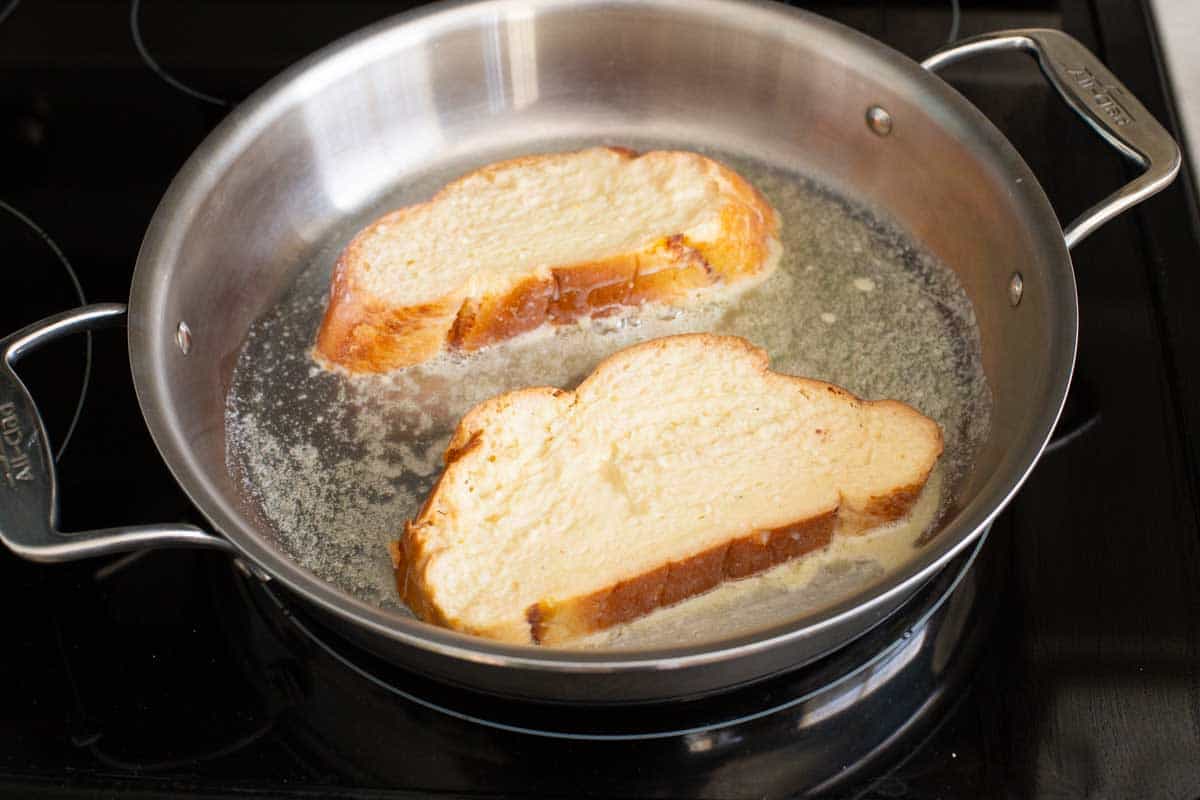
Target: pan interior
x=241 y=246
x=335 y=464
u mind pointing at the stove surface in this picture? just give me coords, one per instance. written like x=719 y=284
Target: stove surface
x=168 y=673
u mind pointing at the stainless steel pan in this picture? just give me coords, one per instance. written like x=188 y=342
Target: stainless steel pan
x=332 y=133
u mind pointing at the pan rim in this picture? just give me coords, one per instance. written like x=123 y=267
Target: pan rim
x=148 y=347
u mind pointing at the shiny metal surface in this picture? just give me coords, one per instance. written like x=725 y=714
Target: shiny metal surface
x=879 y=120
x=325 y=139
x=183 y=338
x=453 y=83
x=1016 y=288
x=1100 y=99
x=28 y=483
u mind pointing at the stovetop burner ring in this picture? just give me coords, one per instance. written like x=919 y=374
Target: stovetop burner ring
x=135 y=30
x=28 y=222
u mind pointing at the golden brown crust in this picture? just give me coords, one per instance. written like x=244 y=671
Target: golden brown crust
x=406 y=555
x=533 y=616
x=554 y=621
x=894 y=505
x=591 y=289
x=493 y=318
x=362 y=335
x=880 y=509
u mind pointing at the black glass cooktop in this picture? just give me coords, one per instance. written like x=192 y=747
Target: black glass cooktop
x=1065 y=662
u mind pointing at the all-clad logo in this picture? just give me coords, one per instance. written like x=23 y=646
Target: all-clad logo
x=14 y=461
x=1104 y=97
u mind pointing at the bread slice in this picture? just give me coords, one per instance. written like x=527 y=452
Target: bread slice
x=546 y=238
x=677 y=464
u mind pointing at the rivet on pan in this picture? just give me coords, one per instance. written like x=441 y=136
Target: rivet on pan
x=183 y=338
x=1016 y=287
x=879 y=120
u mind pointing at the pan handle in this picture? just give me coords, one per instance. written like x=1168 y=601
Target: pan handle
x=28 y=492
x=1100 y=99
